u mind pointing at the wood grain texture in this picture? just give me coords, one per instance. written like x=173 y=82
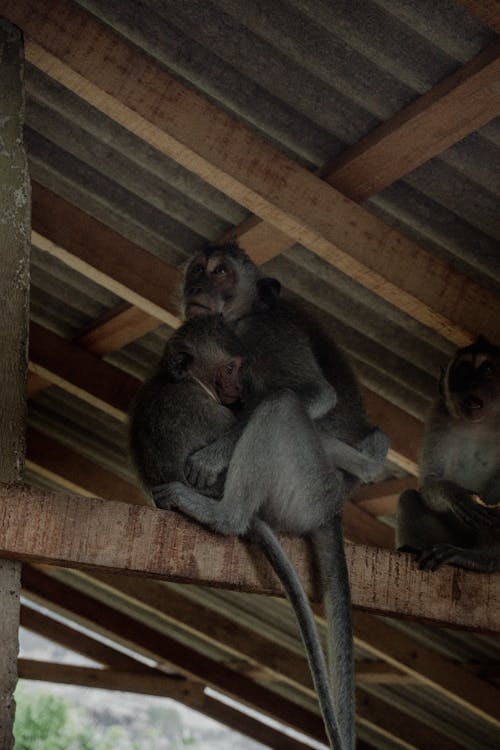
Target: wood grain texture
x=67 y=530
x=129 y=87
x=14 y=284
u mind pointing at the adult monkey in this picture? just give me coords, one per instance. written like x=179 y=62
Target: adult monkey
x=454 y=517
x=278 y=339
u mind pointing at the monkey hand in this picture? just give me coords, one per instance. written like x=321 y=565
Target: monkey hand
x=469 y=510
x=205 y=469
x=374 y=446
x=439 y=554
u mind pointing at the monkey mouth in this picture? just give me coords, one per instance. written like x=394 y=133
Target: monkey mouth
x=195 y=309
x=472 y=408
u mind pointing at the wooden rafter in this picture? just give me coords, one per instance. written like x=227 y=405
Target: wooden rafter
x=101 y=68
x=65 y=529
x=488 y=11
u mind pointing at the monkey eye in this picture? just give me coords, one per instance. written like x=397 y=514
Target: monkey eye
x=487 y=369
x=197 y=270
x=220 y=270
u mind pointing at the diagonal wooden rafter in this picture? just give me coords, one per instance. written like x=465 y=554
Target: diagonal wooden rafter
x=57 y=528
x=488 y=11
x=103 y=69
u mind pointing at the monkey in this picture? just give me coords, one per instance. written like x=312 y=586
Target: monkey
x=202 y=374
x=292 y=360
x=454 y=517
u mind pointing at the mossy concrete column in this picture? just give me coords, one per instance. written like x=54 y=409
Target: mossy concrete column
x=14 y=288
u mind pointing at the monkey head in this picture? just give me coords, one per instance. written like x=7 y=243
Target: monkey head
x=223 y=279
x=205 y=350
x=470 y=385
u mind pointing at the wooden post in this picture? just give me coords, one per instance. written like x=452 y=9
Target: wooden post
x=14 y=285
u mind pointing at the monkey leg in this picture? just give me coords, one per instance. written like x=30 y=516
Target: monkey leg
x=417 y=527
x=482 y=560
x=224 y=516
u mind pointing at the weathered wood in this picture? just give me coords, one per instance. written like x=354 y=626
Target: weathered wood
x=63 y=529
x=129 y=87
x=163 y=649
x=14 y=283
x=117 y=329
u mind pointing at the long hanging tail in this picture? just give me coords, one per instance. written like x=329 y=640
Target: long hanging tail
x=329 y=548
x=264 y=536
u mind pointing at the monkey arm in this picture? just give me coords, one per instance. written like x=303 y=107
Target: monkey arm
x=204 y=468
x=442 y=496
x=364 y=461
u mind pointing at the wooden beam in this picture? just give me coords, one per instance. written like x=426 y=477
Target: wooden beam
x=361 y=527
x=149 y=682
x=452 y=681
x=135 y=275
x=83 y=374
x=381 y=499
x=67 y=530
x=453 y=108
x=488 y=11
x=14 y=286
x=117 y=329
x=161 y=648
x=101 y=68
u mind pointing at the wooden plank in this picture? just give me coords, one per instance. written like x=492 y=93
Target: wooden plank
x=148 y=682
x=381 y=499
x=452 y=109
x=14 y=285
x=163 y=649
x=138 y=277
x=67 y=530
x=117 y=329
x=361 y=527
x=83 y=374
x=129 y=87
x=452 y=681
x=488 y=11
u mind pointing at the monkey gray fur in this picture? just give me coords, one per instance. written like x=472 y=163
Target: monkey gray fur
x=452 y=518
x=184 y=404
x=305 y=421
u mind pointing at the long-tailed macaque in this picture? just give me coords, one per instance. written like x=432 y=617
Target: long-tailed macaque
x=184 y=406
x=454 y=517
x=290 y=444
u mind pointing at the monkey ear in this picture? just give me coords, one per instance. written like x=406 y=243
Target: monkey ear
x=268 y=292
x=177 y=365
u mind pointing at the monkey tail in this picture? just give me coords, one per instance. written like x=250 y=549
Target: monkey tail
x=262 y=533
x=329 y=548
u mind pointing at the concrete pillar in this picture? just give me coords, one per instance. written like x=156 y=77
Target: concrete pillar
x=14 y=288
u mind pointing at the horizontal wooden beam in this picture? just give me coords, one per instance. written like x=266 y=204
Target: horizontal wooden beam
x=102 y=68
x=67 y=530
x=381 y=499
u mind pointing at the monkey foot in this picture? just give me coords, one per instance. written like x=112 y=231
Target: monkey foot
x=375 y=445
x=164 y=495
x=439 y=554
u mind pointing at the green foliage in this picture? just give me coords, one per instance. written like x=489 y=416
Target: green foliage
x=46 y=722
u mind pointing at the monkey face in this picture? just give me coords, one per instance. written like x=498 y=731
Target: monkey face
x=473 y=385
x=220 y=280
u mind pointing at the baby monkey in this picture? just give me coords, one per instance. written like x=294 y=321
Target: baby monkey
x=454 y=518
x=183 y=407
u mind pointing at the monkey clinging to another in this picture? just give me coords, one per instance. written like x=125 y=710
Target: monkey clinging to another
x=455 y=516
